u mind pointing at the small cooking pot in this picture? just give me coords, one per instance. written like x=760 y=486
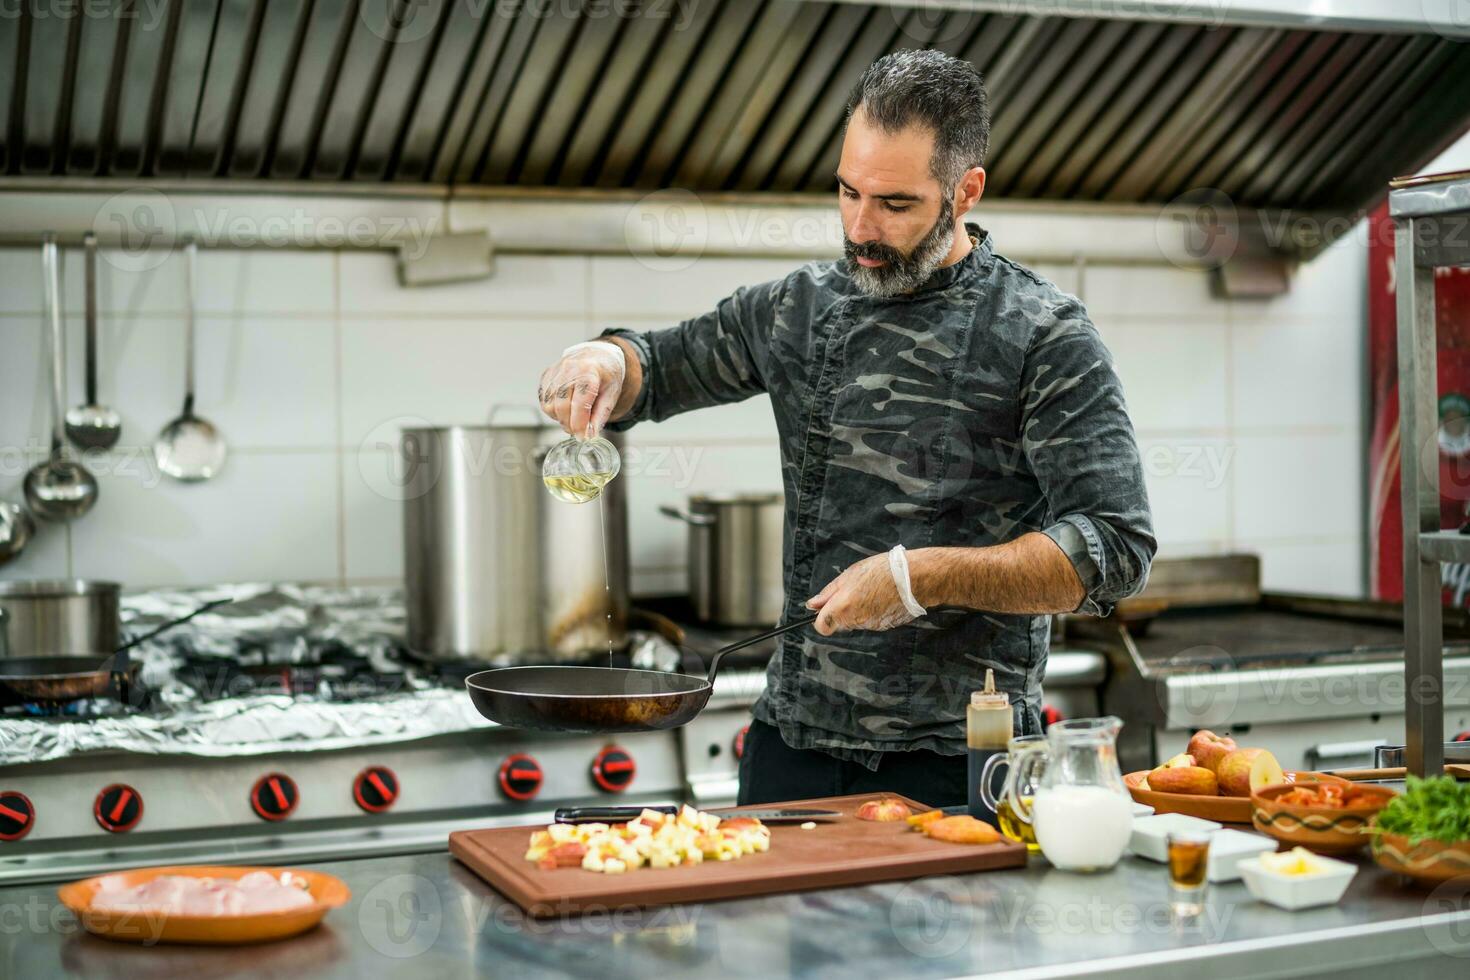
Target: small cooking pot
x=735 y=570
x=60 y=618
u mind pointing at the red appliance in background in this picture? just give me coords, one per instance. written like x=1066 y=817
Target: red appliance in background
x=1452 y=297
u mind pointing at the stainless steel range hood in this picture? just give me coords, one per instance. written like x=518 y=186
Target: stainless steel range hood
x=1275 y=103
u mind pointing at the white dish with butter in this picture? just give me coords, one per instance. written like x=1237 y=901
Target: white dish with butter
x=1297 y=879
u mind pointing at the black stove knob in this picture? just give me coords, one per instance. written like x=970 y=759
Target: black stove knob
x=613 y=769
x=274 y=796
x=118 y=808
x=739 y=747
x=375 y=789
x=17 y=815
x=520 y=777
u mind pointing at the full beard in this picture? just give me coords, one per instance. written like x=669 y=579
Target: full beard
x=901 y=272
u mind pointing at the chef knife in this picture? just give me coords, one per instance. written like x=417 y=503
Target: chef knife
x=620 y=814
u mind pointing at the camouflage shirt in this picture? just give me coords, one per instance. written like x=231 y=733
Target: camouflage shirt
x=977 y=408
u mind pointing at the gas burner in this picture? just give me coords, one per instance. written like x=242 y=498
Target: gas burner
x=337 y=675
x=137 y=701
x=69 y=709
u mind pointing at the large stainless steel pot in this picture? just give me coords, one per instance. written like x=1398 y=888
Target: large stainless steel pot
x=495 y=570
x=735 y=571
x=59 y=618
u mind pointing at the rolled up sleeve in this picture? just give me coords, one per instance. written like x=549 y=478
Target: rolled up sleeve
x=1080 y=444
x=713 y=359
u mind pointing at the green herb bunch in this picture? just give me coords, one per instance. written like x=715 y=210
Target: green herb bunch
x=1428 y=809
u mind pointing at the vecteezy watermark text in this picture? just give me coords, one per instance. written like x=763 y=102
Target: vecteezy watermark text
x=147 y=226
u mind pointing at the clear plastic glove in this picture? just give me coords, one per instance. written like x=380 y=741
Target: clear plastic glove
x=580 y=391
x=873 y=594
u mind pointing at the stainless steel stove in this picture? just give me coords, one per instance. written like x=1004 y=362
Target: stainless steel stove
x=295 y=728
x=1317 y=680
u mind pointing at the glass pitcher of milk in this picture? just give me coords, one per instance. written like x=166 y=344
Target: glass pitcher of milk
x=1081 y=810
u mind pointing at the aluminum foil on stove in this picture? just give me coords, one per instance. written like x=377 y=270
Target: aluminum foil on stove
x=245 y=726
x=190 y=705
x=269 y=623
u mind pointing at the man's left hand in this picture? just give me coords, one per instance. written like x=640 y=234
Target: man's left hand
x=864 y=597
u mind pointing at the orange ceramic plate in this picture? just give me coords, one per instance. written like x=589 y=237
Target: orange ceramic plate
x=1223 y=809
x=142 y=927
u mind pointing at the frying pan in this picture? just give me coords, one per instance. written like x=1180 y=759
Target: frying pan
x=599 y=699
x=59 y=679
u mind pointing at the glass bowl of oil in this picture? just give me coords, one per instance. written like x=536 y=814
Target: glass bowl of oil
x=576 y=470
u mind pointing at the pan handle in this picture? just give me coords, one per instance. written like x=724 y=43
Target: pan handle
x=693 y=520
x=714 y=665
x=171 y=624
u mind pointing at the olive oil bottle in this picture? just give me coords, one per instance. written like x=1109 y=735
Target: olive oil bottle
x=987 y=732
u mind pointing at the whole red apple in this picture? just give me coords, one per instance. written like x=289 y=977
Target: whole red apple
x=1208 y=749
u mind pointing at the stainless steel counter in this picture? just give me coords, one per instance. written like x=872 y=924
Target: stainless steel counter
x=427 y=915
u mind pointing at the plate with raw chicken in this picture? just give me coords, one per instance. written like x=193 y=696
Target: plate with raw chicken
x=203 y=904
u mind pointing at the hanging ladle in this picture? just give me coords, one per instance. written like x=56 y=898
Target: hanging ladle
x=189 y=449
x=92 y=426
x=59 y=489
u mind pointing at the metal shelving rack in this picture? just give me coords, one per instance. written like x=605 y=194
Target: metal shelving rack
x=1431 y=218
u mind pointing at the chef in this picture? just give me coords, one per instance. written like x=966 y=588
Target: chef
x=957 y=458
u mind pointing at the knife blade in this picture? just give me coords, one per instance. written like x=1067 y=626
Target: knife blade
x=779 y=815
x=620 y=814
x=605 y=814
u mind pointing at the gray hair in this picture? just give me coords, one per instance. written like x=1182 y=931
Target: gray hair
x=932 y=89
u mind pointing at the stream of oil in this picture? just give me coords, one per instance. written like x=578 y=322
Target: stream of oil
x=582 y=489
x=606 y=575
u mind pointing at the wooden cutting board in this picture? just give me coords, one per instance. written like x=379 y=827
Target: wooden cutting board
x=842 y=852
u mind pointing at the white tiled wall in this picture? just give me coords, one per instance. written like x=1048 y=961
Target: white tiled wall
x=1248 y=413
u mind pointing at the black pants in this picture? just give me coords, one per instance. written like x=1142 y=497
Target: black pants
x=773 y=772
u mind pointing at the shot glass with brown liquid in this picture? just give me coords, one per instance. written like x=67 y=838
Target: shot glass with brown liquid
x=1189 y=865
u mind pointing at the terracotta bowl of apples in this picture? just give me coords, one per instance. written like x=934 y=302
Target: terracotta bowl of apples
x=1213 y=779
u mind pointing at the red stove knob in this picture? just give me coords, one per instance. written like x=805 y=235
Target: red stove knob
x=118 y=808
x=274 y=796
x=739 y=746
x=1462 y=737
x=1050 y=716
x=613 y=769
x=520 y=777
x=17 y=815
x=375 y=789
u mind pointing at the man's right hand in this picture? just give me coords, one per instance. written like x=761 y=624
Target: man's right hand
x=581 y=391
